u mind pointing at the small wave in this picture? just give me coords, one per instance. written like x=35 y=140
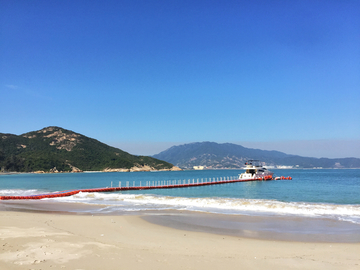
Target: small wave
x=353 y=219
x=138 y=202
x=19 y=192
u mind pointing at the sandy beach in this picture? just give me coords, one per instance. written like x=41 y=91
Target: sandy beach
x=35 y=240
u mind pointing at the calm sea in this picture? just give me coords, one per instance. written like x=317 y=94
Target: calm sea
x=330 y=194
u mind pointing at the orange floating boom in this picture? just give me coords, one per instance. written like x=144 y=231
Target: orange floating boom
x=111 y=189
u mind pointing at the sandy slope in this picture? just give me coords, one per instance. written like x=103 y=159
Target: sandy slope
x=53 y=241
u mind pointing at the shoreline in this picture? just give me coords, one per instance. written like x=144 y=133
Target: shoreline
x=118 y=170
x=33 y=240
x=267 y=228
x=166 y=170
x=277 y=228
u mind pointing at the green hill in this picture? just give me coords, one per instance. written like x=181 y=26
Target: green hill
x=51 y=147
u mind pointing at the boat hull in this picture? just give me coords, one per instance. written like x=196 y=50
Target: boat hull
x=265 y=176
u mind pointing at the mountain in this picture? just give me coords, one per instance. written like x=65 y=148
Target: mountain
x=228 y=155
x=54 y=149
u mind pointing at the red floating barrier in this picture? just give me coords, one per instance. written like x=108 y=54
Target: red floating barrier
x=109 y=189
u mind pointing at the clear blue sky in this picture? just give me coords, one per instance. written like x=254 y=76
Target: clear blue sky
x=145 y=75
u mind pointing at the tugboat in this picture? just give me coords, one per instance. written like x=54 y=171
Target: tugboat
x=255 y=170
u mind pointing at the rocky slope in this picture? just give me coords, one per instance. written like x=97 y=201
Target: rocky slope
x=54 y=149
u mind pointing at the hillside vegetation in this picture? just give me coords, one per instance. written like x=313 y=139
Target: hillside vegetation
x=57 y=149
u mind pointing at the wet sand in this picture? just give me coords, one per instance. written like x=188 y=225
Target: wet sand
x=299 y=229
x=51 y=239
x=283 y=228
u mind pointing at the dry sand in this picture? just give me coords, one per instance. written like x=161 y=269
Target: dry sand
x=57 y=241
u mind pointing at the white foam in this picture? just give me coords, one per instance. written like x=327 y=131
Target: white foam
x=19 y=192
x=138 y=202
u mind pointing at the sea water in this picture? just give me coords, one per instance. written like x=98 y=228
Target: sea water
x=317 y=193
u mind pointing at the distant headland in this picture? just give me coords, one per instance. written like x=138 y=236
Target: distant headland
x=211 y=155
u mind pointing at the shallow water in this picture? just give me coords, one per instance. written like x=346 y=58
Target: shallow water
x=329 y=194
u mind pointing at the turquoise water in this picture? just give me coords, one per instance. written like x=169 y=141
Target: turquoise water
x=317 y=193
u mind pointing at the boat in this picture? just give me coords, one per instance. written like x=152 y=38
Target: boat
x=255 y=170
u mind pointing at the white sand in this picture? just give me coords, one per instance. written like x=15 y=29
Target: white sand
x=52 y=241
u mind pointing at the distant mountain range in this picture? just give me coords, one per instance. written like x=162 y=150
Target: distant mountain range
x=54 y=149
x=228 y=155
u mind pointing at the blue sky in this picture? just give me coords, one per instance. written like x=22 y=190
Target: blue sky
x=146 y=75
